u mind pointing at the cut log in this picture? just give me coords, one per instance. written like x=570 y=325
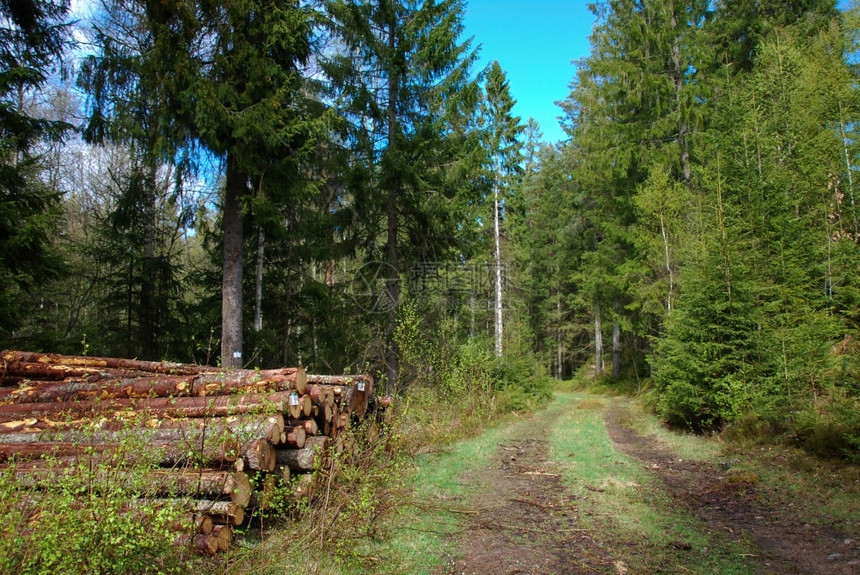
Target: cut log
x=219 y=512
x=251 y=381
x=224 y=535
x=41 y=371
x=311 y=427
x=206 y=483
x=306 y=486
x=341 y=380
x=203 y=544
x=100 y=362
x=282 y=474
x=215 y=406
x=307 y=459
x=259 y=455
x=164 y=454
x=46 y=391
x=321 y=394
x=245 y=427
x=193 y=523
x=296 y=436
x=307 y=405
x=294 y=406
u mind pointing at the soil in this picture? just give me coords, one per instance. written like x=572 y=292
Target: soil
x=524 y=521
x=736 y=506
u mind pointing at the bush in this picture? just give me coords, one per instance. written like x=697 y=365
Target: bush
x=84 y=525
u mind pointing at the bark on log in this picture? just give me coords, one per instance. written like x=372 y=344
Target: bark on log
x=306 y=486
x=207 y=483
x=164 y=367
x=245 y=427
x=164 y=453
x=216 y=406
x=203 y=544
x=220 y=512
x=307 y=459
x=341 y=380
x=40 y=371
x=193 y=523
x=142 y=387
x=251 y=381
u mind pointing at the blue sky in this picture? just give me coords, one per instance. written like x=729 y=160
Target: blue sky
x=534 y=41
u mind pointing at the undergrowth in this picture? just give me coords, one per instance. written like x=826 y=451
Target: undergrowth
x=362 y=516
x=86 y=515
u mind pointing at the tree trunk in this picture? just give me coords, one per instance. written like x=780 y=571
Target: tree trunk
x=616 y=350
x=148 y=310
x=392 y=287
x=258 y=293
x=231 y=284
x=497 y=257
x=598 y=342
x=559 y=350
x=678 y=80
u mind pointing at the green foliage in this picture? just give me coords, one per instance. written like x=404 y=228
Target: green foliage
x=33 y=37
x=87 y=523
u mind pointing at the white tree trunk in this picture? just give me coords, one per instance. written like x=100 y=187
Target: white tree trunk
x=498 y=262
x=616 y=351
x=598 y=342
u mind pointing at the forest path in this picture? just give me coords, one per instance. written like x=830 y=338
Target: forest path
x=532 y=507
x=525 y=521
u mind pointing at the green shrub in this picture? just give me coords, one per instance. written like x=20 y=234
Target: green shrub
x=83 y=524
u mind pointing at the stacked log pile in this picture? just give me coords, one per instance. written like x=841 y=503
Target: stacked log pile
x=214 y=441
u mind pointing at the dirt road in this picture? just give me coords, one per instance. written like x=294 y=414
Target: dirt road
x=529 y=511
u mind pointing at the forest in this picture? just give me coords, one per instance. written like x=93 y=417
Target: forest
x=335 y=184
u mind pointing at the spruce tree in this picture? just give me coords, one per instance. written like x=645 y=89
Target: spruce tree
x=246 y=102
x=136 y=46
x=502 y=131
x=398 y=77
x=33 y=40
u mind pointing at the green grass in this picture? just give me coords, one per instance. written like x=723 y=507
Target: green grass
x=621 y=503
x=624 y=507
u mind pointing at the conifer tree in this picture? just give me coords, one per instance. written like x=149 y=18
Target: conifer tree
x=399 y=76
x=33 y=40
x=502 y=132
x=136 y=46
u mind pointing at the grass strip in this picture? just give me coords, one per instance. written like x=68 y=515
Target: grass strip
x=626 y=507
